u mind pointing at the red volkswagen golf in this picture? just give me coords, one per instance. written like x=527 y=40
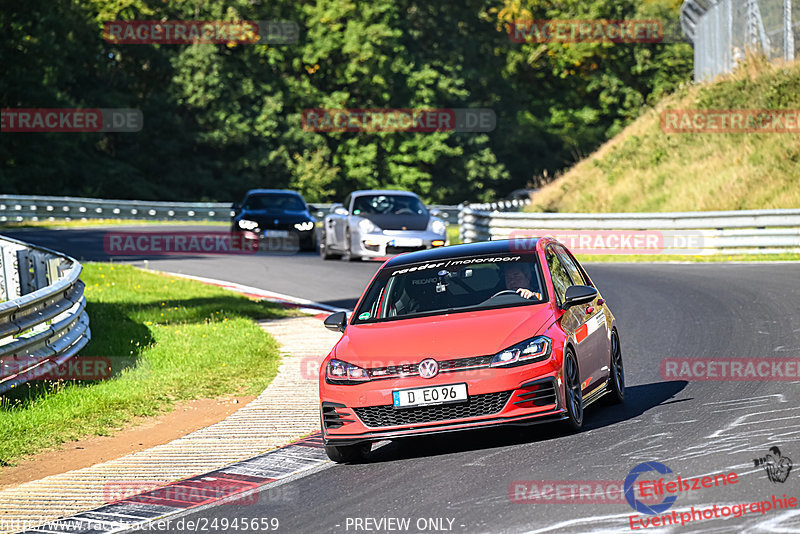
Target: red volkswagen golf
x=468 y=336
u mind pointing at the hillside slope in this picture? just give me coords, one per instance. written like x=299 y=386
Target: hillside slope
x=645 y=169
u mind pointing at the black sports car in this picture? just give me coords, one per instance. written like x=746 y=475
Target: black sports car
x=279 y=219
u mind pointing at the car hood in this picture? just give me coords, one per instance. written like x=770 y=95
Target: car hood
x=443 y=337
x=397 y=222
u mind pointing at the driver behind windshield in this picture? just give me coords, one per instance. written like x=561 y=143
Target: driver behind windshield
x=518 y=279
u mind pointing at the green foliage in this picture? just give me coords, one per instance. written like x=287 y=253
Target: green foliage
x=221 y=119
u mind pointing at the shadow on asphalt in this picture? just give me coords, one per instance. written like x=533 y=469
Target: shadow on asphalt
x=638 y=400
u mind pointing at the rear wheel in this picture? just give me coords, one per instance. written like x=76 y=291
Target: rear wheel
x=616 y=383
x=572 y=392
x=345 y=454
x=324 y=251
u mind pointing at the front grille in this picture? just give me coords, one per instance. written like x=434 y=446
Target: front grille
x=410 y=369
x=476 y=406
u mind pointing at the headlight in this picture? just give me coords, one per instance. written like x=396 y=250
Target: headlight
x=338 y=372
x=365 y=226
x=245 y=224
x=437 y=226
x=304 y=226
x=531 y=350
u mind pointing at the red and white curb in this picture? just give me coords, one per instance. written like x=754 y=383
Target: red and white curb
x=240 y=483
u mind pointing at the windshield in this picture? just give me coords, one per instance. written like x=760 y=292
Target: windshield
x=274 y=203
x=388 y=205
x=453 y=285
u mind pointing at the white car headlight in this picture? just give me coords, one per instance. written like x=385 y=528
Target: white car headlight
x=531 y=350
x=365 y=226
x=304 y=226
x=246 y=224
x=437 y=226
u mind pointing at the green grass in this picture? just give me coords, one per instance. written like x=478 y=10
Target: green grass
x=91 y=223
x=644 y=169
x=179 y=339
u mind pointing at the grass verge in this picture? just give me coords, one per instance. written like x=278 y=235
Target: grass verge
x=169 y=339
x=92 y=223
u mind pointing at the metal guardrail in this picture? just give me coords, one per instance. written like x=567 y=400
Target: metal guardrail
x=20 y=208
x=693 y=233
x=43 y=322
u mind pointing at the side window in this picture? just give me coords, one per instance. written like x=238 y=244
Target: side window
x=558 y=274
x=569 y=264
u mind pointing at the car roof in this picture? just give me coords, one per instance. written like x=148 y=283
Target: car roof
x=272 y=191
x=504 y=246
x=383 y=192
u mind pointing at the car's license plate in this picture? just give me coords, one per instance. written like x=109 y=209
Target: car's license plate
x=407 y=242
x=407 y=398
x=276 y=233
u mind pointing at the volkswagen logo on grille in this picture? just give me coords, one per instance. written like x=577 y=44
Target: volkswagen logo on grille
x=428 y=368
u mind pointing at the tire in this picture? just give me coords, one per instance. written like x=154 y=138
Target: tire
x=324 y=251
x=347 y=454
x=573 y=395
x=616 y=383
x=348 y=255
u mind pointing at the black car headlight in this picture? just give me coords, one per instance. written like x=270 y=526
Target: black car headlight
x=531 y=350
x=340 y=372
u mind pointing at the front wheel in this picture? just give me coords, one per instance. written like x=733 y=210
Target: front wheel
x=346 y=454
x=324 y=251
x=348 y=255
x=572 y=392
x=616 y=383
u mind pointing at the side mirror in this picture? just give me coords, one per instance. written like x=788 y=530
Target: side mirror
x=338 y=209
x=336 y=322
x=579 y=295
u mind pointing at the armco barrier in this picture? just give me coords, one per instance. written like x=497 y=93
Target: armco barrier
x=695 y=233
x=43 y=321
x=20 y=208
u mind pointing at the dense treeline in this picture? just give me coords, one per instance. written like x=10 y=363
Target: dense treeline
x=223 y=118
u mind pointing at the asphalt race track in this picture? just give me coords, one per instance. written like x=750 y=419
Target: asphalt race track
x=460 y=482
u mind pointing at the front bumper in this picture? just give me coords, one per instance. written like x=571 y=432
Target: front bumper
x=524 y=395
x=391 y=242
x=283 y=240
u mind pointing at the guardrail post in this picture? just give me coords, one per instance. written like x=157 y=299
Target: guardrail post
x=53 y=271
x=27 y=280
x=8 y=271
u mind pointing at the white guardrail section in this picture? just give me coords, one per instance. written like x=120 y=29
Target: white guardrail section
x=43 y=321
x=20 y=208
x=690 y=233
